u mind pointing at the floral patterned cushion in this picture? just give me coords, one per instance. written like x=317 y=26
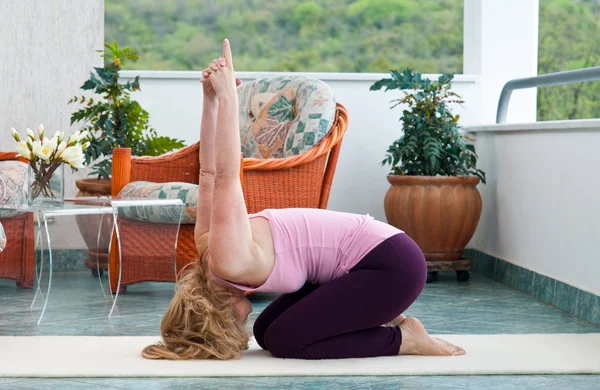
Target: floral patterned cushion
x=284 y=116
x=13 y=185
x=188 y=193
x=2 y=238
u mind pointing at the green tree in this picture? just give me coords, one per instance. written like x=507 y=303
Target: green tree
x=568 y=39
x=283 y=35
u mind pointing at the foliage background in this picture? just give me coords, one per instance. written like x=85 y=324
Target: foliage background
x=349 y=36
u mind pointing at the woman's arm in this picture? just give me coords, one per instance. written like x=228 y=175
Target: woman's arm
x=230 y=242
x=208 y=128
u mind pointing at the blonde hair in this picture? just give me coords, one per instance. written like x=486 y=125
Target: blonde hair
x=201 y=321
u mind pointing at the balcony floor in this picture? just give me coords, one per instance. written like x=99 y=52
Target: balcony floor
x=480 y=306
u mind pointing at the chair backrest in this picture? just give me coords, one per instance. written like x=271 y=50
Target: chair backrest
x=284 y=116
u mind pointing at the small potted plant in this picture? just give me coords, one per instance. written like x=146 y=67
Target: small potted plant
x=115 y=120
x=433 y=195
x=112 y=120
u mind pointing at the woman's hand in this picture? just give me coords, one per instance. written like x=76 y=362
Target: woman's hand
x=209 y=91
x=221 y=75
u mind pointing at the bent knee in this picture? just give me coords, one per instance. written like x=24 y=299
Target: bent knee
x=281 y=345
x=258 y=330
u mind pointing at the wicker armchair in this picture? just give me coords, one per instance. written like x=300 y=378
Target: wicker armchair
x=302 y=180
x=17 y=259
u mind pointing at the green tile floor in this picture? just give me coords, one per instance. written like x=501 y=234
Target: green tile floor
x=480 y=306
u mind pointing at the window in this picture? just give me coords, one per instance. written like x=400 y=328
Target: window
x=568 y=39
x=297 y=36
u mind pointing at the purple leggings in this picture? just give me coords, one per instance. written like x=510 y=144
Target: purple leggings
x=343 y=318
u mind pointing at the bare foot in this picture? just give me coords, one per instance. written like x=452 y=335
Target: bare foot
x=396 y=321
x=416 y=341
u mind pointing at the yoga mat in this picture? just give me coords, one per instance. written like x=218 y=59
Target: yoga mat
x=67 y=356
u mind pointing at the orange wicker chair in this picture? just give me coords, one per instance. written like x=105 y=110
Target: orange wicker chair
x=297 y=181
x=17 y=261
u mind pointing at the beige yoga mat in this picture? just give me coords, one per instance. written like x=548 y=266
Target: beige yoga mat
x=67 y=356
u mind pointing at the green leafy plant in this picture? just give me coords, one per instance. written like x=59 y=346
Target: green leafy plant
x=432 y=143
x=115 y=120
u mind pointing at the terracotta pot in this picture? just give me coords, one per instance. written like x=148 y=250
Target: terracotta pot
x=90 y=224
x=440 y=213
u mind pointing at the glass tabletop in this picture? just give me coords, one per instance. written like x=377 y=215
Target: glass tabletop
x=90 y=205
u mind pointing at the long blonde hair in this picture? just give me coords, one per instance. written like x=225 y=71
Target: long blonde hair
x=201 y=321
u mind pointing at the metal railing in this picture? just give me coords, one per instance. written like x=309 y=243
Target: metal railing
x=545 y=80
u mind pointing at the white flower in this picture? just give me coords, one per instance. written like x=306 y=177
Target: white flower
x=48 y=148
x=36 y=148
x=57 y=137
x=61 y=148
x=15 y=134
x=77 y=162
x=71 y=154
x=23 y=149
x=78 y=136
x=41 y=131
x=30 y=134
x=73 y=138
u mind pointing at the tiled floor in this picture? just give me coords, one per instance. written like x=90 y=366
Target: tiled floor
x=77 y=307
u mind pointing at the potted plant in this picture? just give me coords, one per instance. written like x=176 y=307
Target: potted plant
x=112 y=120
x=433 y=195
x=115 y=120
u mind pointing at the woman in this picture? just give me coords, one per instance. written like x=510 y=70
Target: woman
x=346 y=279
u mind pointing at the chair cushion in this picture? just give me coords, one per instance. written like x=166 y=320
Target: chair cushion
x=2 y=238
x=284 y=116
x=188 y=193
x=13 y=185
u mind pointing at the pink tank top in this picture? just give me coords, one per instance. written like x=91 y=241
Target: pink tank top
x=316 y=246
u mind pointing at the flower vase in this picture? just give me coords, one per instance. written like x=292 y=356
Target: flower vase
x=46 y=184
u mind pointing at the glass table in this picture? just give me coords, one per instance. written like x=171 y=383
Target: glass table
x=94 y=214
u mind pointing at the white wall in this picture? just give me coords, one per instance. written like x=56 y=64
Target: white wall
x=174 y=101
x=47 y=50
x=541 y=206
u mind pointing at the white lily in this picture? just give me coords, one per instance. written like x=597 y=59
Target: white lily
x=36 y=148
x=48 y=148
x=23 y=149
x=73 y=138
x=15 y=134
x=71 y=153
x=58 y=135
x=61 y=148
x=30 y=133
x=77 y=162
x=78 y=136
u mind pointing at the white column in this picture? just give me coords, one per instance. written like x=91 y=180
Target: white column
x=48 y=49
x=500 y=44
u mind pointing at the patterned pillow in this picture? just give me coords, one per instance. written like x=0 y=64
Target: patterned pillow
x=284 y=116
x=2 y=239
x=188 y=193
x=13 y=185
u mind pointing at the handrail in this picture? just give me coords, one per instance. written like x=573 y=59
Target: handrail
x=545 y=80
